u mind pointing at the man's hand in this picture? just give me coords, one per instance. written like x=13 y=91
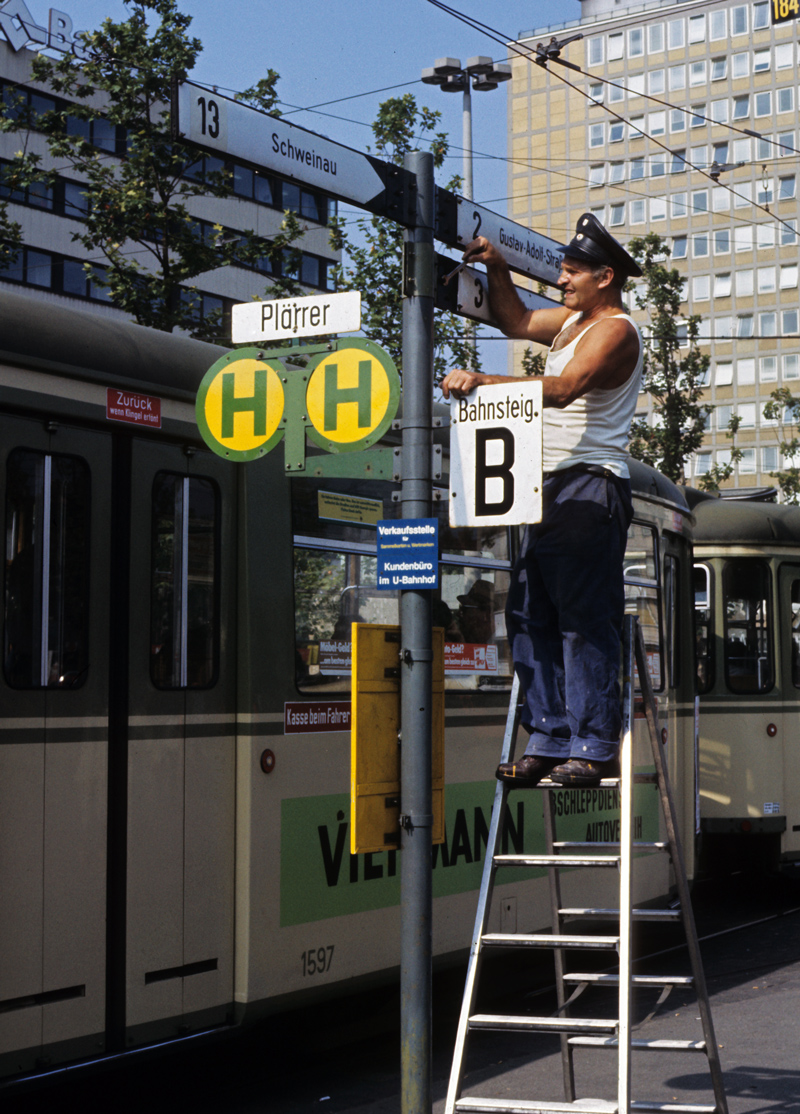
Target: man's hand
x=460 y=381
x=482 y=250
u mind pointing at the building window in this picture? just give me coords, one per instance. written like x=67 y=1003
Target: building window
x=698 y=120
x=655 y=82
x=766 y=236
x=701 y=288
x=739 y=20
x=785 y=144
x=784 y=99
x=723 y=414
x=635 y=42
x=677 y=120
x=679 y=247
x=760 y=15
x=789 y=323
x=719 y=111
x=657 y=123
x=768 y=369
x=31 y=267
x=655 y=38
x=762 y=60
x=719 y=68
x=786 y=187
x=616 y=93
x=678 y=161
x=788 y=232
x=747 y=462
x=740 y=66
x=636 y=85
x=596 y=135
x=637 y=212
x=740 y=150
x=746 y=377
x=718 y=25
x=722 y=241
x=702 y=464
x=677 y=78
x=743 y=238
x=616 y=131
x=746 y=412
x=742 y=193
x=720 y=197
x=594 y=51
x=597 y=174
x=784 y=56
x=597 y=91
x=741 y=107
x=744 y=325
x=723 y=328
x=722 y=286
x=617 y=214
x=791 y=366
x=700 y=245
x=699 y=202
x=637 y=127
x=658 y=165
x=763 y=104
x=658 y=208
x=769 y=459
x=744 y=284
x=617 y=172
x=788 y=276
x=766 y=280
x=637 y=169
x=697 y=73
x=764 y=148
x=768 y=324
x=616 y=46
x=723 y=377
x=697 y=29
x=676 y=34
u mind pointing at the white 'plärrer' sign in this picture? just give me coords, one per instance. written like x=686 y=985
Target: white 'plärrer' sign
x=496 y=455
x=316 y=315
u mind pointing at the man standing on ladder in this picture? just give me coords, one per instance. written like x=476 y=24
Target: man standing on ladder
x=566 y=600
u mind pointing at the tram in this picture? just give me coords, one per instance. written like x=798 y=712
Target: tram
x=174 y=702
x=747 y=607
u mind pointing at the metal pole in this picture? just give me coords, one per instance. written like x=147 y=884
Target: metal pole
x=466 y=123
x=417 y=656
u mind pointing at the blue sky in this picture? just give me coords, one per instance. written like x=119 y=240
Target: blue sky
x=329 y=49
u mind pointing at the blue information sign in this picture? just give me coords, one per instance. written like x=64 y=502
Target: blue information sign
x=408 y=553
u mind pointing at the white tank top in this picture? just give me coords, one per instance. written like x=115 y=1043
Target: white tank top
x=594 y=429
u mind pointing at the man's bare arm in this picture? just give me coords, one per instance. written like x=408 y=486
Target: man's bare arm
x=506 y=306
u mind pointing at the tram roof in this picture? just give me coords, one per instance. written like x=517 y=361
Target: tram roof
x=647 y=481
x=55 y=337
x=742 y=522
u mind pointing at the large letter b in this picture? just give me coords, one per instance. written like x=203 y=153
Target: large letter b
x=501 y=471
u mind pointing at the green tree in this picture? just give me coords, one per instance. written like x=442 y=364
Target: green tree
x=138 y=217
x=674 y=381
x=784 y=408
x=373 y=247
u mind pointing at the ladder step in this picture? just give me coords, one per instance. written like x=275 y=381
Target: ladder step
x=562 y=861
x=674 y=1107
x=637 y=1042
x=472 y=1105
x=543 y=1024
x=548 y=940
x=636 y=980
x=637 y=845
x=613 y=914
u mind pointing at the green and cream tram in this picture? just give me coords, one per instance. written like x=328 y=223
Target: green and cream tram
x=174 y=707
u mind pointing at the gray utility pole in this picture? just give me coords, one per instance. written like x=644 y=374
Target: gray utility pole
x=480 y=74
x=416 y=664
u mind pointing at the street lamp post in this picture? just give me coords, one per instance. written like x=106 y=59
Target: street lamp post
x=480 y=74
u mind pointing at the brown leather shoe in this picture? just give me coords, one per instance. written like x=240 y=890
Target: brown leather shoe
x=527 y=770
x=583 y=772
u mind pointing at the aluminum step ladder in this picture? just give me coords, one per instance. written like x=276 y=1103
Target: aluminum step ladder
x=575 y=1032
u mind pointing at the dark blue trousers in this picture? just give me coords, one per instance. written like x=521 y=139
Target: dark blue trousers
x=564 y=616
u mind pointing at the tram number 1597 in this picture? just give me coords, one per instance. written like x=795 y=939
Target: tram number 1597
x=317 y=961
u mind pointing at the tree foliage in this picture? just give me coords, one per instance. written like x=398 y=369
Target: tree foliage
x=373 y=247
x=138 y=218
x=784 y=408
x=674 y=380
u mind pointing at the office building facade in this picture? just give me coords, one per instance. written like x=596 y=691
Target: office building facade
x=669 y=93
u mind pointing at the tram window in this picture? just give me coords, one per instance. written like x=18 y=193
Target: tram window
x=46 y=631
x=671 y=616
x=748 y=626
x=184 y=600
x=333 y=590
x=703 y=630
x=641 y=595
x=795 y=621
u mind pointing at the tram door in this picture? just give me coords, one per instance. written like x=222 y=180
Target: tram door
x=55 y=484
x=180 y=789
x=789 y=627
